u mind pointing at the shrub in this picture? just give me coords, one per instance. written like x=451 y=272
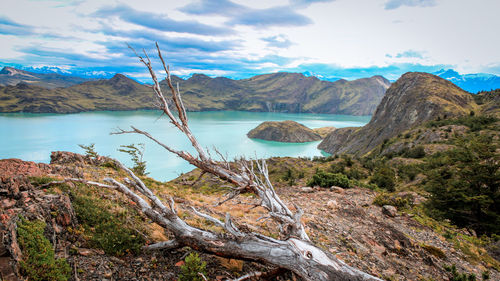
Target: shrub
x=384 y=177
x=454 y=275
x=475 y=123
x=355 y=174
x=464 y=184
x=392 y=199
x=415 y=152
x=408 y=172
x=39 y=263
x=107 y=231
x=289 y=176
x=324 y=179
x=337 y=167
x=191 y=269
x=136 y=153
x=89 y=150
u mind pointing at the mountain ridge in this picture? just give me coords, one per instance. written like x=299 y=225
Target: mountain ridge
x=275 y=92
x=415 y=98
x=473 y=83
x=12 y=76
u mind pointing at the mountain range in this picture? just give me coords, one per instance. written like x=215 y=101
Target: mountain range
x=471 y=82
x=12 y=76
x=278 y=92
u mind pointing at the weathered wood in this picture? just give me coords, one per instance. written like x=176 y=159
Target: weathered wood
x=295 y=252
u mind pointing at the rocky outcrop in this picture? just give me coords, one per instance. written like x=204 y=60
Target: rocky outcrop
x=414 y=99
x=284 y=131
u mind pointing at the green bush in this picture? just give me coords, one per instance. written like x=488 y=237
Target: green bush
x=355 y=174
x=464 y=185
x=136 y=153
x=454 y=275
x=89 y=150
x=384 y=177
x=191 y=269
x=107 y=231
x=408 y=172
x=475 y=123
x=392 y=199
x=324 y=179
x=39 y=263
x=415 y=152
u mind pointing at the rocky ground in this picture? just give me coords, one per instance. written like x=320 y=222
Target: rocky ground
x=384 y=241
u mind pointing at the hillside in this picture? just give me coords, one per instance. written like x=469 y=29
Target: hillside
x=412 y=100
x=11 y=76
x=98 y=233
x=284 y=131
x=283 y=92
x=117 y=93
x=279 y=92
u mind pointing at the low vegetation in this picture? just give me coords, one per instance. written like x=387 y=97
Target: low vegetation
x=193 y=269
x=39 y=262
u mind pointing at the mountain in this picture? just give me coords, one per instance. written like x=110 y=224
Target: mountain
x=284 y=131
x=12 y=76
x=471 y=82
x=412 y=100
x=282 y=92
x=117 y=93
x=278 y=92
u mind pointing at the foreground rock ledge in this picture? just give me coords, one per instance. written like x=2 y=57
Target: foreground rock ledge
x=284 y=131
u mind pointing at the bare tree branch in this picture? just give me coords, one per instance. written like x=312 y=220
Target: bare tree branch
x=295 y=253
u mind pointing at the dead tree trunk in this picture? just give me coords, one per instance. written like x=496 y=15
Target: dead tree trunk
x=294 y=252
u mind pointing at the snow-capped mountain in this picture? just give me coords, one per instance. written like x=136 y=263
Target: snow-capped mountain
x=471 y=82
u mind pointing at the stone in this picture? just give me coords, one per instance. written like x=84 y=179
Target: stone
x=332 y=204
x=85 y=252
x=7 y=203
x=337 y=189
x=307 y=189
x=389 y=210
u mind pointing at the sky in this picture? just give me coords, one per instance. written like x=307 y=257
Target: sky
x=330 y=39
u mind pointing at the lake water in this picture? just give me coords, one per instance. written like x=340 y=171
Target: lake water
x=33 y=136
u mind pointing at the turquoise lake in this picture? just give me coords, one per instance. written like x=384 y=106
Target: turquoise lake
x=33 y=136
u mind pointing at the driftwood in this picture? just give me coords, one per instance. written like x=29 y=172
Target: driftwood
x=293 y=252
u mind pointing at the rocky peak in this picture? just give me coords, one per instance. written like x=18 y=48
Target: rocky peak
x=120 y=78
x=8 y=70
x=412 y=100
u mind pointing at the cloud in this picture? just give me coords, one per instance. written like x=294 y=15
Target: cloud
x=244 y=15
x=276 y=16
x=9 y=27
x=305 y=3
x=169 y=43
x=161 y=22
x=394 y=4
x=409 y=54
x=213 y=7
x=278 y=41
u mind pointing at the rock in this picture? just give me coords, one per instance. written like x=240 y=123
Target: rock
x=284 y=131
x=307 y=189
x=332 y=204
x=337 y=189
x=7 y=203
x=414 y=99
x=85 y=252
x=389 y=210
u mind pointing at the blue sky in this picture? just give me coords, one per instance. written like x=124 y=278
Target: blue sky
x=328 y=38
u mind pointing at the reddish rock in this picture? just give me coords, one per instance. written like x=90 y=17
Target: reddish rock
x=17 y=167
